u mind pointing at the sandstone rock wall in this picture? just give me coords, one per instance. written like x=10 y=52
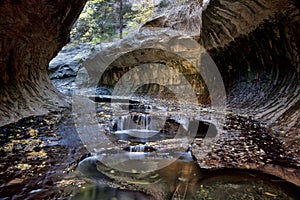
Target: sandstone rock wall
x=256 y=46
x=32 y=33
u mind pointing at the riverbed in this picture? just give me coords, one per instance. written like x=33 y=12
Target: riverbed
x=43 y=157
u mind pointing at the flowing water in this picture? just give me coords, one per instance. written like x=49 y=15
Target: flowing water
x=159 y=150
x=148 y=138
x=45 y=150
x=183 y=179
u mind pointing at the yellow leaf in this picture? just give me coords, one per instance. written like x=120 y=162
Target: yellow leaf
x=142 y=182
x=270 y=194
x=24 y=166
x=154 y=176
x=15 y=181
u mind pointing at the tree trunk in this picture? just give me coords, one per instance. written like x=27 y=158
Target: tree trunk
x=121 y=19
x=32 y=33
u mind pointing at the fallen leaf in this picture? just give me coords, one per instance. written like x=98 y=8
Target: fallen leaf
x=270 y=194
x=15 y=181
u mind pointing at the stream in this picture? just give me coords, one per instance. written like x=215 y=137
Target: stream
x=43 y=157
x=154 y=116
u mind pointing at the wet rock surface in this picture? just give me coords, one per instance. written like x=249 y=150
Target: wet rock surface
x=37 y=153
x=248 y=144
x=239 y=184
x=39 y=156
x=242 y=135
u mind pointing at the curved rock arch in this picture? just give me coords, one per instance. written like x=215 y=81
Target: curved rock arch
x=132 y=59
x=256 y=47
x=29 y=39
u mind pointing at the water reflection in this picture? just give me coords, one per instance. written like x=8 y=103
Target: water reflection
x=146 y=163
x=98 y=192
x=177 y=179
x=184 y=179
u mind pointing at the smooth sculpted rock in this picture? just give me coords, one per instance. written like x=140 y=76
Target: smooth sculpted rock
x=32 y=33
x=255 y=45
x=64 y=67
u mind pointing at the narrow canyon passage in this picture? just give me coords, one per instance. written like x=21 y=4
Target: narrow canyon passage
x=255 y=47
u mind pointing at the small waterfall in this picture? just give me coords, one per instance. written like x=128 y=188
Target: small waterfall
x=137 y=127
x=140 y=121
x=140 y=148
x=131 y=148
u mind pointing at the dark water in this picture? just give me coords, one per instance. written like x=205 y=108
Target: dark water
x=109 y=193
x=39 y=155
x=183 y=179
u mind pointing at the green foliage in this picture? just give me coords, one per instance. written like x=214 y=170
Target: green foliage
x=96 y=22
x=139 y=14
x=101 y=20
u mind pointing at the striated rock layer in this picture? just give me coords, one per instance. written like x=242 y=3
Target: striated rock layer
x=255 y=45
x=32 y=33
